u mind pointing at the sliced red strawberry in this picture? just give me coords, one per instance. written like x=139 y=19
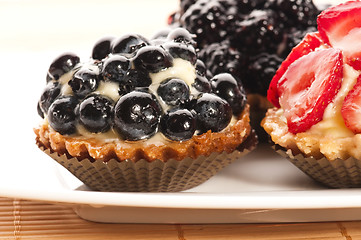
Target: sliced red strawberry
x=351 y=108
x=309 y=43
x=308 y=86
x=340 y=26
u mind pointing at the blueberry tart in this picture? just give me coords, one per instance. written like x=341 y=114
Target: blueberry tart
x=142 y=115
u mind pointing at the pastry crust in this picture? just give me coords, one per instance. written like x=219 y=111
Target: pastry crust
x=227 y=140
x=310 y=144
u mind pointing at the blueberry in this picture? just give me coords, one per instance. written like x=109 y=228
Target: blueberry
x=84 y=82
x=152 y=58
x=173 y=91
x=226 y=86
x=129 y=43
x=136 y=115
x=61 y=115
x=115 y=67
x=134 y=78
x=102 y=48
x=96 y=113
x=50 y=93
x=179 y=50
x=202 y=84
x=213 y=113
x=61 y=65
x=161 y=34
x=178 y=124
x=40 y=112
x=201 y=68
x=181 y=35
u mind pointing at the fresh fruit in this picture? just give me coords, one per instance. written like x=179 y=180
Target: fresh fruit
x=212 y=112
x=351 y=108
x=226 y=87
x=61 y=115
x=102 y=48
x=202 y=84
x=96 y=113
x=136 y=115
x=62 y=64
x=178 y=124
x=340 y=26
x=308 y=86
x=310 y=42
x=50 y=93
x=152 y=58
x=181 y=50
x=173 y=91
x=84 y=82
x=181 y=35
x=129 y=43
x=115 y=67
x=133 y=79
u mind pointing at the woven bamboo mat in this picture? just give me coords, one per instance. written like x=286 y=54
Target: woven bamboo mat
x=24 y=219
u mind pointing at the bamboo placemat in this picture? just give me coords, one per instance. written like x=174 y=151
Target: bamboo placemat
x=24 y=219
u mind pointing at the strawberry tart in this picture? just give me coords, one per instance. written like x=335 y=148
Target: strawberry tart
x=317 y=97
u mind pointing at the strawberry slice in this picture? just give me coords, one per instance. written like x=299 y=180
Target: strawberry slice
x=340 y=27
x=308 y=86
x=309 y=43
x=351 y=108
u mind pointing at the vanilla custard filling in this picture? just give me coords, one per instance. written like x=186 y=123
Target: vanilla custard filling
x=181 y=69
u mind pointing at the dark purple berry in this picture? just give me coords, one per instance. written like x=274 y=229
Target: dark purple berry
x=213 y=113
x=95 y=113
x=62 y=64
x=180 y=50
x=102 y=48
x=181 y=35
x=115 y=67
x=201 y=68
x=173 y=91
x=178 y=124
x=129 y=43
x=202 y=84
x=161 y=34
x=152 y=58
x=134 y=78
x=40 y=112
x=226 y=87
x=61 y=115
x=50 y=93
x=136 y=115
x=84 y=82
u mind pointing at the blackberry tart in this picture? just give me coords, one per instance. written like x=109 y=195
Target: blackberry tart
x=142 y=115
x=248 y=39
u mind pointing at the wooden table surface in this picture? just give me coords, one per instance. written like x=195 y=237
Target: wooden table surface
x=37 y=26
x=25 y=219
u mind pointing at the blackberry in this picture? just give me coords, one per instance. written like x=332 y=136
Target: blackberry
x=50 y=93
x=178 y=124
x=129 y=44
x=247 y=6
x=136 y=115
x=295 y=13
x=260 y=31
x=173 y=91
x=84 y=82
x=212 y=113
x=102 y=48
x=152 y=58
x=134 y=78
x=207 y=19
x=262 y=68
x=61 y=65
x=115 y=67
x=225 y=86
x=221 y=58
x=61 y=115
x=96 y=113
x=293 y=38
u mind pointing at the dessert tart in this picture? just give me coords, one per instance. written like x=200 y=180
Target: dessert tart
x=316 y=91
x=248 y=39
x=141 y=115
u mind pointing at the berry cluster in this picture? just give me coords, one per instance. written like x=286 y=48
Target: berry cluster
x=235 y=30
x=131 y=86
